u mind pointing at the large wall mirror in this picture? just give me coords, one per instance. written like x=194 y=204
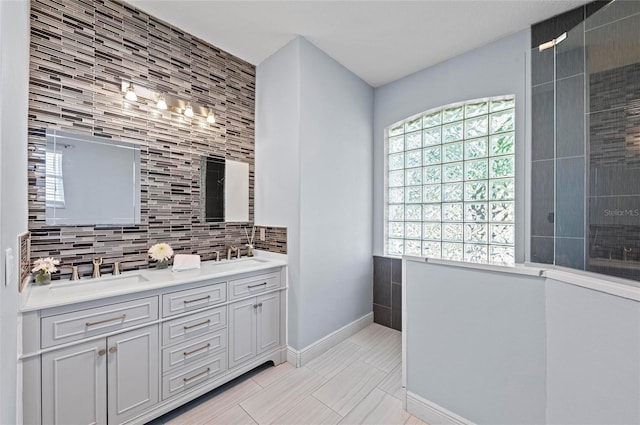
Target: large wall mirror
x=91 y=180
x=96 y=181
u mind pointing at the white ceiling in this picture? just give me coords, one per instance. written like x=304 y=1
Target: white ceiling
x=380 y=41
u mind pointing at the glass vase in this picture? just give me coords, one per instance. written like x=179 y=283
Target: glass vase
x=43 y=278
x=162 y=264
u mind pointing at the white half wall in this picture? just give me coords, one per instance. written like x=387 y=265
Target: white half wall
x=593 y=356
x=500 y=68
x=497 y=347
x=14 y=95
x=476 y=342
x=314 y=176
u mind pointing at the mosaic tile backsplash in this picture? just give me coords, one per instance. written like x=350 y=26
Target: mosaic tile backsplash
x=81 y=52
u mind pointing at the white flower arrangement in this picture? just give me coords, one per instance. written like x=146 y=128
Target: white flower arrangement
x=161 y=252
x=45 y=265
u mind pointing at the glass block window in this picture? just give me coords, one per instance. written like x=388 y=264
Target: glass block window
x=450 y=183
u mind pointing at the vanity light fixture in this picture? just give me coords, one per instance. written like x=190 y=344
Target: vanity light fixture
x=211 y=119
x=201 y=113
x=162 y=103
x=188 y=111
x=131 y=93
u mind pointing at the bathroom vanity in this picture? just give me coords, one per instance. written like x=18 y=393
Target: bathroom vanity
x=129 y=348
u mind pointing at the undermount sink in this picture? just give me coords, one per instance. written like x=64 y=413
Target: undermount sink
x=231 y=264
x=129 y=279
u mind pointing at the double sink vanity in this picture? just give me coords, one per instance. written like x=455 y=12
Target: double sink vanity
x=129 y=348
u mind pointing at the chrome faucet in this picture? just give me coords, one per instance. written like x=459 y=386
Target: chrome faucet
x=116 y=268
x=231 y=249
x=97 y=262
x=217 y=255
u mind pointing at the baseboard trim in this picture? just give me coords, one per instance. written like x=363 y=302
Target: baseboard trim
x=299 y=358
x=293 y=357
x=432 y=413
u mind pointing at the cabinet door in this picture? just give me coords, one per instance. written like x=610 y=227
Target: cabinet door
x=133 y=373
x=242 y=331
x=74 y=387
x=268 y=321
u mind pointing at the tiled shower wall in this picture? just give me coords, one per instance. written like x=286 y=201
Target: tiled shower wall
x=586 y=104
x=387 y=292
x=81 y=52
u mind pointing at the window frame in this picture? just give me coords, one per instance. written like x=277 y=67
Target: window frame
x=506 y=244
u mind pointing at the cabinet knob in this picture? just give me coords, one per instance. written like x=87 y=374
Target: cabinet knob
x=255 y=306
x=113 y=350
x=259 y=304
x=102 y=352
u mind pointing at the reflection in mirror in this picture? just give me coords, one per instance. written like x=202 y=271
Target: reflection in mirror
x=91 y=180
x=224 y=194
x=212 y=178
x=236 y=191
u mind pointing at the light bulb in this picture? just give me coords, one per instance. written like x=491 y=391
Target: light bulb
x=188 y=111
x=131 y=93
x=162 y=104
x=211 y=119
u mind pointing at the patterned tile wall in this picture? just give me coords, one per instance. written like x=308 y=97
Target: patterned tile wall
x=275 y=239
x=81 y=51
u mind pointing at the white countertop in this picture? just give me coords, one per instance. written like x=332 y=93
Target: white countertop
x=66 y=292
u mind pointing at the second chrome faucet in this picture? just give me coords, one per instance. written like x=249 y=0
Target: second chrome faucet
x=231 y=249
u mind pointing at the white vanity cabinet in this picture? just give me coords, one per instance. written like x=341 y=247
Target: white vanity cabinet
x=110 y=378
x=129 y=358
x=75 y=379
x=74 y=384
x=254 y=327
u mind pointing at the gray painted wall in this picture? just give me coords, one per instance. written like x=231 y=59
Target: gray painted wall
x=14 y=75
x=496 y=69
x=476 y=342
x=277 y=167
x=336 y=158
x=593 y=357
x=314 y=176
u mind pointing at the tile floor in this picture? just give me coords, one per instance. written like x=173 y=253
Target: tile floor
x=356 y=382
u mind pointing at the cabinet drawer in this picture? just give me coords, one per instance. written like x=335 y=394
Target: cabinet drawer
x=185 y=328
x=253 y=285
x=193 y=375
x=82 y=324
x=193 y=350
x=193 y=299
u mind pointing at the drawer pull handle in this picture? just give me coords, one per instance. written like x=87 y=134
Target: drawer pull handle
x=197 y=324
x=255 y=286
x=106 y=320
x=188 y=353
x=197 y=299
x=197 y=376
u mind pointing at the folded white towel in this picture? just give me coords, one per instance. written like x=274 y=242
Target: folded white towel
x=185 y=262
